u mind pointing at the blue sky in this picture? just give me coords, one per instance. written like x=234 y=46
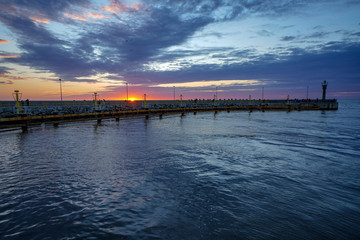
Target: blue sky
x=236 y=47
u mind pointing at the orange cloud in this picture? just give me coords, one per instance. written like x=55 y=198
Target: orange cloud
x=137 y=6
x=7 y=82
x=94 y=15
x=76 y=17
x=10 y=78
x=40 y=19
x=117 y=7
x=3 y=41
x=83 y=17
x=10 y=55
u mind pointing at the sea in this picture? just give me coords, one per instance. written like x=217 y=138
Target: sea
x=209 y=175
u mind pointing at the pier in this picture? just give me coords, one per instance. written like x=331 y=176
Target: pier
x=23 y=115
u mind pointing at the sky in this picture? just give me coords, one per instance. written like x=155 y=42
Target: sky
x=195 y=48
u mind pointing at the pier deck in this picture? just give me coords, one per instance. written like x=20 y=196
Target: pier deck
x=55 y=114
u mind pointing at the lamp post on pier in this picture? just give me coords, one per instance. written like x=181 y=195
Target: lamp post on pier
x=127 y=92
x=60 y=90
x=216 y=97
x=174 y=94
x=95 y=102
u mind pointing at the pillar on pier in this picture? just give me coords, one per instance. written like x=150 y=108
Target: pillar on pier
x=24 y=128
x=95 y=101
x=99 y=120
x=117 y=119
x=17 y=97
x=324 y=86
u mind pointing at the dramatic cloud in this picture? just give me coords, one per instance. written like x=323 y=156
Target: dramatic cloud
x=121 y=46
x=49 y=9
x=223 y=83
x=303 y=68
x=27 y=30
x=162 y=43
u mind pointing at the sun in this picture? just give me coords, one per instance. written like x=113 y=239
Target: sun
x=132 y=99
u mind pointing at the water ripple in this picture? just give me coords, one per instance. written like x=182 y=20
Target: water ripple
x=237 y=175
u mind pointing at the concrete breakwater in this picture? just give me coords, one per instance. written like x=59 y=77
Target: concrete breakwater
x=35 y=112
x=36 y=108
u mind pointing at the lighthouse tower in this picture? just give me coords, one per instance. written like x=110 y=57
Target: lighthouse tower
x=324 y=86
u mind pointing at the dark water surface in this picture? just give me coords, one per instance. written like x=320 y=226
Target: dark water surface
x=238 y=175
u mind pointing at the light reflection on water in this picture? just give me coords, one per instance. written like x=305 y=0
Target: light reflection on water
x=256 y=175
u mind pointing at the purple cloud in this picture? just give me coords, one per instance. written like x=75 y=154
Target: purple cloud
x=300 y=68
x=122 y=47
x=126 y=45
